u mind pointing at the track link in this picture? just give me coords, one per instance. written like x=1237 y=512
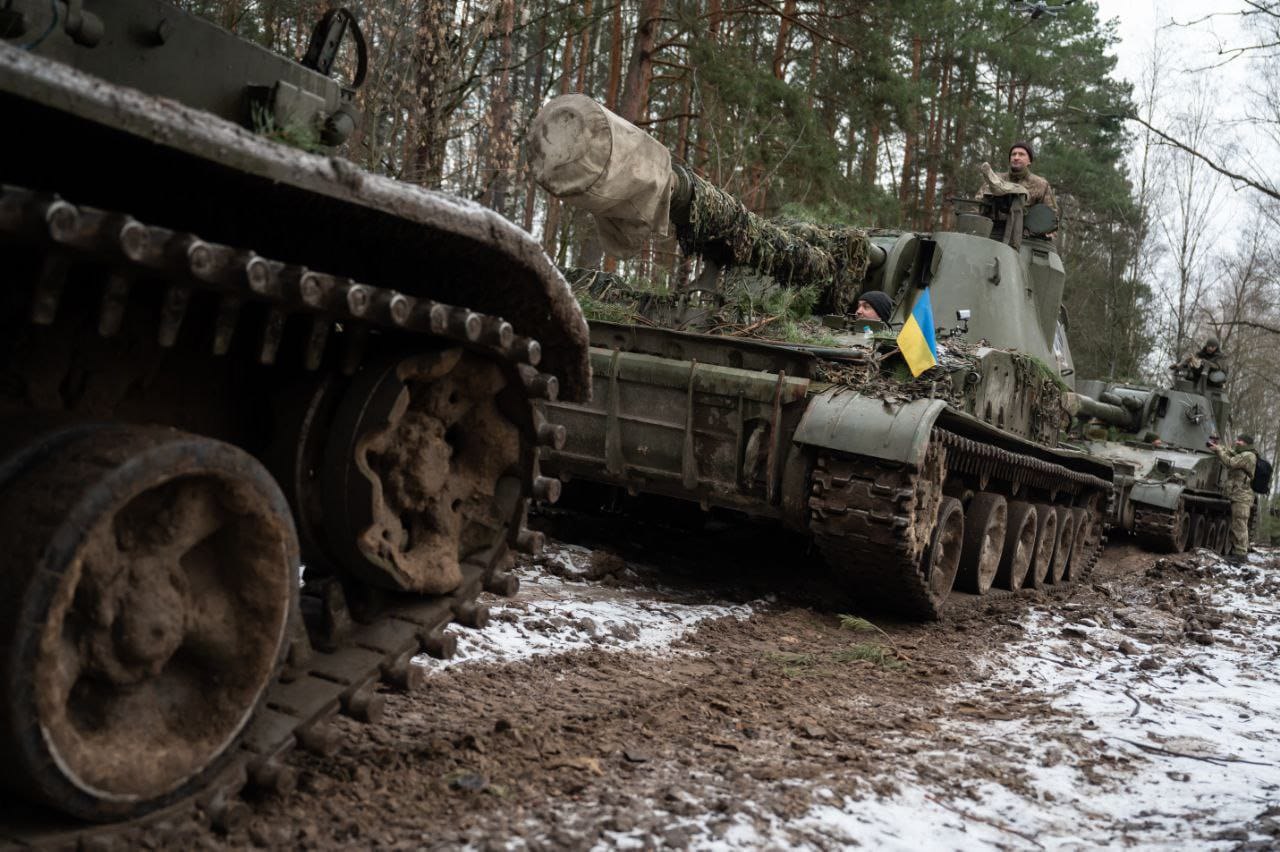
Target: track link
x=871 y=520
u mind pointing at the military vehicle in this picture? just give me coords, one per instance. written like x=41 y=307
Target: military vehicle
x=909 y=486
x=1170 y=491
x=220 y=357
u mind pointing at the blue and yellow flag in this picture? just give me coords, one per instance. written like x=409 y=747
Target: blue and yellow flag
x=916 y=338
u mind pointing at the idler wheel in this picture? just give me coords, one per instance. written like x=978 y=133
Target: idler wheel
x=984 y=531
x=423 y=469
x=148 y=581
x=1062 y=550
x=1045 y=548
x=942 y=558
x=1019 y=545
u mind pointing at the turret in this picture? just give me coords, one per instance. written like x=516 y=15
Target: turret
x=1178 y=417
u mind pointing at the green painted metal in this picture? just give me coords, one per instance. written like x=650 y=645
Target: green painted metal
x=1184 y=418
x=866 y=426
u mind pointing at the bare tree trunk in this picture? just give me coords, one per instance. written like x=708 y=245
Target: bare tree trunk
x=912 y=133
x=501 y=157
x=871 y=154
x=784 y=33
x=530 y=194
x=615 y=59
x=933 y=157
x=635 y=90
x=434 y=57
x=584 y=52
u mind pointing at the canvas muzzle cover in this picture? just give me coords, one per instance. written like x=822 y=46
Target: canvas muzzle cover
x=594 y=160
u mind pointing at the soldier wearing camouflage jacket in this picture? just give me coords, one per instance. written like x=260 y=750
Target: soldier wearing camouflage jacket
x=1240 y=464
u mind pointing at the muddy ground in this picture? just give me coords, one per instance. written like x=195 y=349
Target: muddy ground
x=670 y=690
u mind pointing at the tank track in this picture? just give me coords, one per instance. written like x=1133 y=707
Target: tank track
x=1157 y=529
x=865 y=519
x=335 y=662
x=1160 y=529
x=237 y=277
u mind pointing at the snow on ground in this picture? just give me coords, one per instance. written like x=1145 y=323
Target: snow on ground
x=554 y=613
x=1161 y=745
x=1149 y=734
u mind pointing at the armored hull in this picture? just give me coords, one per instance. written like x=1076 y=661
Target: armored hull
x=911 y=481
x=221 y=357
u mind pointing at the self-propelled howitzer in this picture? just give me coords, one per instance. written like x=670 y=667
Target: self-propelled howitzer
x=221 y=355
x=905 y=483
x=1170 y=491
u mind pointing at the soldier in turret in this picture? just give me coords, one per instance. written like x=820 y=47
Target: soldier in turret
x=1240 y=463
x=1021 y=155
x=1020 y=180
x=1210 y=356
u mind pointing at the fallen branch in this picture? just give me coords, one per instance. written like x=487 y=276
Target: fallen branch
x=1137 y=705
x=1030 y=838
x=1059 y=662
x=1215 y=759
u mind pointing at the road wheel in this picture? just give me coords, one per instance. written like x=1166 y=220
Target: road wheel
x=1062 y=550
x=1019 y=546
x=986 y=520
x=1045 y=548
x=1197 y=532
x=1081 y=546
x=423 y=469
x=942 y=559
x=150 y=578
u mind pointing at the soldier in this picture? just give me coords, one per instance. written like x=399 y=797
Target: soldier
x=1240 y=463
x=1021 y=155
x=874 y=305
x=1210 y=355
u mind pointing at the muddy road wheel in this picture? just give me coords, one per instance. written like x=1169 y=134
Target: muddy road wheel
x=1082 y=546
x=942 y=559
x=1045 y=548
x=1198 y=531
x=1019 y=546
x=1062 y=548
x=146 y=595
x=423 y=468
x=986 y=520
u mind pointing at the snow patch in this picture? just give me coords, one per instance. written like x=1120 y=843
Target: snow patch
x=554 y=615
x=1166 y=745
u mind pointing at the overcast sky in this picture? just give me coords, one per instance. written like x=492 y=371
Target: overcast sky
x=1141 y=23
x=1194 y=46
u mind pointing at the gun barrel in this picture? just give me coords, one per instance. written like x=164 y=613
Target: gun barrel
x=1080 y=405
x=590 y=158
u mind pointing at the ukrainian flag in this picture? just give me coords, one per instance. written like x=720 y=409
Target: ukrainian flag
x=916 y=339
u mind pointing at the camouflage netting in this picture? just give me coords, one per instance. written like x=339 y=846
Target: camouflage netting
x=796 y=254
x=869 y=378
x=1045 y=389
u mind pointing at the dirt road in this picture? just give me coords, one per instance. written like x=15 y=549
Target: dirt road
x=660 y=696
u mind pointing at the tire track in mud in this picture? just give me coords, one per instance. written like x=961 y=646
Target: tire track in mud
x=775 y=724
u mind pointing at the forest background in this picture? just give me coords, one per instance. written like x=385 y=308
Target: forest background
x=871 y=113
